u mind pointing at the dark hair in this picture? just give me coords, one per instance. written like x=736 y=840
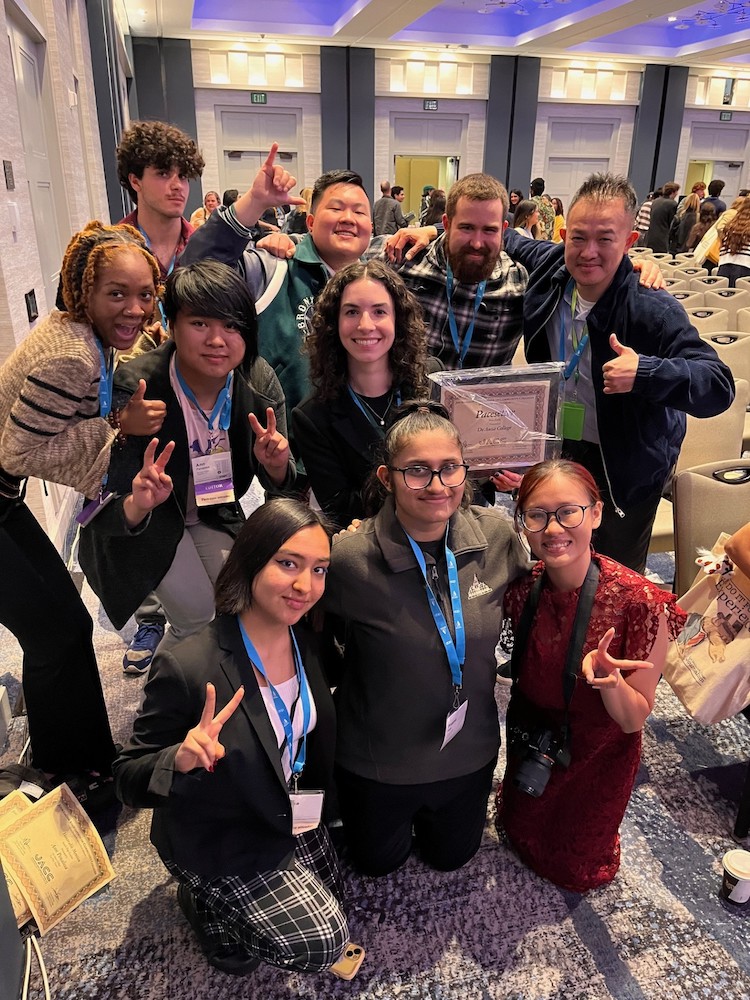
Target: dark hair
x=558 y=205
x=715 y=188
x=88 y=251
x=607 y=187
x=328 y=357
x=670 y=188
x=262 y=535
x=524 y=211
x=540 y=473
x=329 y=179
x=155 y=144
x=396 y=189
x=435 y=209
x=208 y=288
x=706 y=219
x=537 y=186
x=413 y=417
x=229 y=197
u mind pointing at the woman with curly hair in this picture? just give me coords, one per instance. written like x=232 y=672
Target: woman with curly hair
x=57 y=423
x=367 y=352
x=734 y=257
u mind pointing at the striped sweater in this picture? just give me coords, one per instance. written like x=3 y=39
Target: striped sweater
x=49 y=409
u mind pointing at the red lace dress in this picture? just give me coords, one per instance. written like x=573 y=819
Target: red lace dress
x=570 y=834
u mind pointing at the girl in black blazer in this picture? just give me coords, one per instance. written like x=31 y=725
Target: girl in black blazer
x=367 y=352
x=233 y=749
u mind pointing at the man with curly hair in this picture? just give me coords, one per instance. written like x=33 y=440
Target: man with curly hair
x=155 y=163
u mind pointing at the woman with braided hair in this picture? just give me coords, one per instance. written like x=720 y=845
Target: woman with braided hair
x=56 y=423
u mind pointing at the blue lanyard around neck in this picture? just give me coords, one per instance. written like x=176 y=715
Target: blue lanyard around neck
x=222 y=407
x=278 y=702
x=462 y=349
x=106 y=378
x=456 y=652
x=172 y=262
x=578 y=349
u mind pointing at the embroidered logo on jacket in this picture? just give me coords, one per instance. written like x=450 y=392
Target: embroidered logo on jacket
x=478 y=589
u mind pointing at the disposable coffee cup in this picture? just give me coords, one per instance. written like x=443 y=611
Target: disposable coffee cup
x=735 y=886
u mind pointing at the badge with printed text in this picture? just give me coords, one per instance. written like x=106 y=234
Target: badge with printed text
x=307 y=810
x=454 y=723
x=212 y=475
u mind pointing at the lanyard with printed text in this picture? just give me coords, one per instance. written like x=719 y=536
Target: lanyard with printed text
x=278 y=702
x=456 y=652
x=106 y=378
x=222 y=407
x=462 y=349
x=580 y=347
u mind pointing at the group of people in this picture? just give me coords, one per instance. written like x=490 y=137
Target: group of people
x=700 y=224
x=239 y=746
x=537 y=217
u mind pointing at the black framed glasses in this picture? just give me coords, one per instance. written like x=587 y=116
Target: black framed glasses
x=419 y=477
x=568 y=515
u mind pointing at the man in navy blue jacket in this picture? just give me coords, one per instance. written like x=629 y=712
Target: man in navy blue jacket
x=634 y=364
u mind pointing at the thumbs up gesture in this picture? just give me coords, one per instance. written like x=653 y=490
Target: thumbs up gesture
x=142 y=417
x=619 y=373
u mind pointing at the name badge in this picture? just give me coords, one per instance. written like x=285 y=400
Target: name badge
x=572 y=420
x=94 y=507
x=212 y=475
x=307 y=810
x=454 y=723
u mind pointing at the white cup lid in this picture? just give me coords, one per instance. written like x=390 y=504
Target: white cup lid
x=737 y=862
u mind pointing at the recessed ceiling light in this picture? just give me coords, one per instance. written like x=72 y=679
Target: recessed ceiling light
x=682 y=26
x=671 y=19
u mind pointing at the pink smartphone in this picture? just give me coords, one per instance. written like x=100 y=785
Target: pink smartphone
x=348 y=965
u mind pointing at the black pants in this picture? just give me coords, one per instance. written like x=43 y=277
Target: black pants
x=733 y=272
x=625 y=539
x=447 y=819
x=40 y=605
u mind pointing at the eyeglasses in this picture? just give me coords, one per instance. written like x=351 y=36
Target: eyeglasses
x=569 y=515
x=419 y=477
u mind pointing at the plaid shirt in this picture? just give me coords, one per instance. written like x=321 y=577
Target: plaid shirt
x=499 y=320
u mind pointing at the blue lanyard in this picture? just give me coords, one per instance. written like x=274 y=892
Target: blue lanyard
x=144 y=234
x=462 y=349
x=222 y=407
x=578 y=349
x=106 y=379
x=278 y=701
x=456 y=652
x=368 y=416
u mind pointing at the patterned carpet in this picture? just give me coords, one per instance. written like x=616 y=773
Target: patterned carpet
x=492 y=931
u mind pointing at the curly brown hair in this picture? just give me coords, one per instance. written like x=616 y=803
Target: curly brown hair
x=736 y=234
x=329 y=367
x=94 y=247
x=155 y=144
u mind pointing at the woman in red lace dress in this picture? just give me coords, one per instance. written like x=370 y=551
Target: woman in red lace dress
x=567 y=831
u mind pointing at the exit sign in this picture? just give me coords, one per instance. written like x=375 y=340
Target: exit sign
x=725 y=116
x=429 y=105
x=258 y=97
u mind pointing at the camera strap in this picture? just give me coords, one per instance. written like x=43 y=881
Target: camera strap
x=577 y=638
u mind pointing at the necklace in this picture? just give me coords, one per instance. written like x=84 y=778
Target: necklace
x=380 y=418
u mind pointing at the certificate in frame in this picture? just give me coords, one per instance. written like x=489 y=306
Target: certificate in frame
x=508 y=417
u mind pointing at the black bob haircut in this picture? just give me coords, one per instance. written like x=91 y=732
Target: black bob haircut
x=262 y=535
x=208 y=288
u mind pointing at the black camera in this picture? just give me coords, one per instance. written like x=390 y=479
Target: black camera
x=544 y=749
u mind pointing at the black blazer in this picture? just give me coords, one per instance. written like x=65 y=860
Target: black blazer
x=238 y=820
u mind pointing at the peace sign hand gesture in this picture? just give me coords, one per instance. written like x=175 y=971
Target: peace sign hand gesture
x=600 y=670
x=151 y=486
x=201 y=747
x=271 y=448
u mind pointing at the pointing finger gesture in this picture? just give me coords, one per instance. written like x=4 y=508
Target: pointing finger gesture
x=201 y=746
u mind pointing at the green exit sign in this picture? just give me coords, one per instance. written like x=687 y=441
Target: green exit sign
x=258 y=97
x=725 y=116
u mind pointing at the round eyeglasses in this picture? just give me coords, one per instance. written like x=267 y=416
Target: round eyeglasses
x=569 y=515
x=419 y=477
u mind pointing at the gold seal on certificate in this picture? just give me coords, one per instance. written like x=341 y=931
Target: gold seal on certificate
x=508 y=418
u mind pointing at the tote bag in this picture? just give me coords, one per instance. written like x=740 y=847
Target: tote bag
x=708 y=665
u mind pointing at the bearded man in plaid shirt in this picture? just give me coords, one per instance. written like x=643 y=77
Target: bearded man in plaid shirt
x=470 y=291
